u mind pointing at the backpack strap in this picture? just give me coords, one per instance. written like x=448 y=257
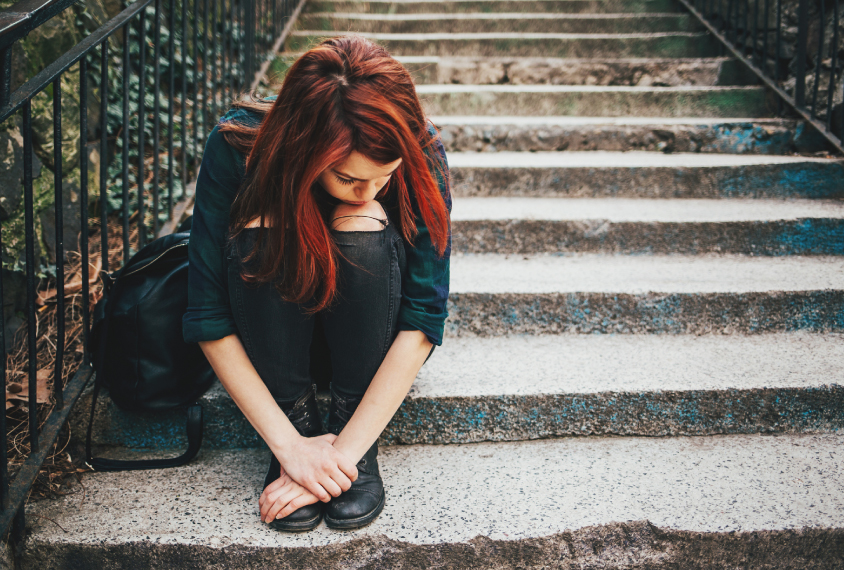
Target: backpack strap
x=194 y=419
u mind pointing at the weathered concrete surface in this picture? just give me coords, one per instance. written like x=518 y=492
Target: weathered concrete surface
x=739 y=500
x=514 y=388
x=644 y=175
x=642 y=209
x=562 y=71
x=636 y=226
x=468 y=6
x=495 y=273
x=595 y=101
x=722 y=136
x=663 y=44
x=488 y=22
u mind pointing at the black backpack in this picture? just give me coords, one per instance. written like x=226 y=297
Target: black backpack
x=137 y=347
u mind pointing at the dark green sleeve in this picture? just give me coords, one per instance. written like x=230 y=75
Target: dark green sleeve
x=209 y=315
x=425 y=283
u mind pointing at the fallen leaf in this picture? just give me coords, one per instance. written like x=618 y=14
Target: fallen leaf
x=42 y=391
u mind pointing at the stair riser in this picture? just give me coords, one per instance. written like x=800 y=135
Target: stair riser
x=487 y=314
x=723 y=103
x=639 y=25
x=538 y=71
x=726 y=138
x=449 y=420
x=791 y=180
x=562 y=6
x=694 y=45
x=591 y=547
x=799 y=237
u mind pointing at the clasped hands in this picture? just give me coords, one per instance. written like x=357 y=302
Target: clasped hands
x=312 y=470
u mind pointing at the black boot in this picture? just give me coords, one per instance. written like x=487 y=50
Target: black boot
x=304 y=415
x=364 y=501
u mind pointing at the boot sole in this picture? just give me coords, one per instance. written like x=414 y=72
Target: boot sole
x=298 y=526
x=347 y=524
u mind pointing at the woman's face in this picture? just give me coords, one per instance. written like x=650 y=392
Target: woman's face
x=357 y=180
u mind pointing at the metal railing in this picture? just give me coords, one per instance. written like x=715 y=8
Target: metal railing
x=755 y=32
x=215 y=51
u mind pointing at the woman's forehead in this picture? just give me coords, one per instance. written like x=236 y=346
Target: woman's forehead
x=360 y=167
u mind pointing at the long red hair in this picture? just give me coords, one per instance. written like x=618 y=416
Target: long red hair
x=346 y=94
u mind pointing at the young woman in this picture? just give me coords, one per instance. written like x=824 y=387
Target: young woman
x=327 y=206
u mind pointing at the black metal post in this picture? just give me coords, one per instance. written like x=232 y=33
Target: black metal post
x=59 y=210
x=802 y=38
x=5 y=75
x=125 y=142
x=29 y=232
x=83 y=202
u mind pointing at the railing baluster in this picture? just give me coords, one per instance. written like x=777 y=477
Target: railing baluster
x=29 y=232
x=818 y=58
x=224 y=78
x=4 y=460
x=831 y=91
x=183 y=128
x=195 y=35
x=204 y=112
x=125 y=141
x=142 y=123
x=59 y=209
x=104 y=153
x=171 y=91
x=214 y=44
x=83 y=202
x=755 y=29
x=767 y=17
x=156 y=118
x=5 y=75
x=802 y=39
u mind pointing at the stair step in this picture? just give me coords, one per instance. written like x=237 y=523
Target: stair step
x=647 y=226
x=663 y=44
x=562 y=71
x=527 y=387
x=773 y=502
x=499 y=294
x=519 y=22
x=639 y=174
x=653 y=134
x=596 y=101
x=494 y=6
x=643 y=72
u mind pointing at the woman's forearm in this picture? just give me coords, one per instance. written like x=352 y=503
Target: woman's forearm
x=240 y=379
x=385 y=394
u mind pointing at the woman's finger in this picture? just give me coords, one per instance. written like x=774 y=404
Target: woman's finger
x=297 y=503
x=276 y=507
x=341 y=480
x=347 y=467
x=317 y=490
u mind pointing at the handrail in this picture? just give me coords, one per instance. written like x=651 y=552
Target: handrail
x=798 y=101
x=21 y=18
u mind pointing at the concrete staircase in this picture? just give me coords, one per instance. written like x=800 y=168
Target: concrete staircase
x=640 y=249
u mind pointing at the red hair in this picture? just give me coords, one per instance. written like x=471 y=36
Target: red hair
x=346 y=94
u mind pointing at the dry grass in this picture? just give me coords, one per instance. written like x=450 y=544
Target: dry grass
x=63 y=465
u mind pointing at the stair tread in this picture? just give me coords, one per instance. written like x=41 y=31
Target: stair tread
x=642 y=209
x=493 y=16
x=589 y=364
x=494 y=35
x=675 y=274
x=566 y=121
x=506 y=491
x=615 y=159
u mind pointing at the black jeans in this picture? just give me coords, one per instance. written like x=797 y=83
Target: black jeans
x=358 y=328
